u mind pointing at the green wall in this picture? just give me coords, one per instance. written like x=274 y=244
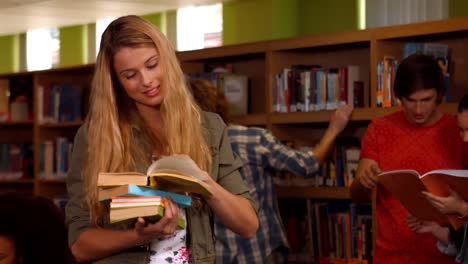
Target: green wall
x=256 y=20
x=10 y=46
x=319 y=16
x=246 y=21
x=458 y=8
x=159 y=20
x=285 y=18
x=243 y=21
x=73 y=45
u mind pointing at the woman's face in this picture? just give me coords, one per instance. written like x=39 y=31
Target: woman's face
x=7 y=251
x=463 y=124
x=140 y=74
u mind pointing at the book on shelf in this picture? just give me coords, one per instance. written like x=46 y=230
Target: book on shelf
x=235 y=89
x=407 y=186
x=54 y=158
x=131 y=208
x=134 y=190
x=327 y=231
x=59 y=103
x=20 y=99
x=173 y=173
x=16 y=161
x=4 y=91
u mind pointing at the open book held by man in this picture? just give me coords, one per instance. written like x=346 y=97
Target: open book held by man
x=407 y=186
x=175 y=173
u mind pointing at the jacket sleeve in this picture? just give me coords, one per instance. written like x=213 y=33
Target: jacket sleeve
x=77 y=215
x=226 y=164
x=280 y=157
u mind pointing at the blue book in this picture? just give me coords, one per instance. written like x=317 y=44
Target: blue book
x=135 y=190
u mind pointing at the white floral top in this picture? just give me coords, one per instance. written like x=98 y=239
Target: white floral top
x=171 y=249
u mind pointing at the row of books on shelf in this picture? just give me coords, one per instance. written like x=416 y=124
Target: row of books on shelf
x=304 y=88
x=59 y=103
x=329 y=232
x=54 y=158
x=386 y=70
x=339 y=170
x=387 y=67
x=16 y=161
x=15 y=100
x=233 y=86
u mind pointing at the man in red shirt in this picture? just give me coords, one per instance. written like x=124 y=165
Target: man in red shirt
x=418 y=137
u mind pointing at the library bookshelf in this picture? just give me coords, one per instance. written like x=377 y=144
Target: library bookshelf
x=260 y=62
x=365 y=48
x=35 y=131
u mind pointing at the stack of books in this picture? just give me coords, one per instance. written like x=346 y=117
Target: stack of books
x=133 y=195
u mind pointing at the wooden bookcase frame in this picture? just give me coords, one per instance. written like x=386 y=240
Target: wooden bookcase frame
x=260 y=61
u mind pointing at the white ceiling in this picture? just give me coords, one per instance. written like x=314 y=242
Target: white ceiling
x=21 y=15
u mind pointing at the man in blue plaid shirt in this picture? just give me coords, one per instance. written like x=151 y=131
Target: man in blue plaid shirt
x=263 y=155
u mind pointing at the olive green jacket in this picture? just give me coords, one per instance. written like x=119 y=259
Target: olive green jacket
x=225 y=171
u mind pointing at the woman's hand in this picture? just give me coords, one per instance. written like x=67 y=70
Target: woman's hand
x=448 y=205
x=166 y=226
x=420 y=226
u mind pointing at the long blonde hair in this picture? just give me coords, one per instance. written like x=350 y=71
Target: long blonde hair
x=113 y=117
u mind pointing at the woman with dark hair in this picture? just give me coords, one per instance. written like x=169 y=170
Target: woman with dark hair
x=463 y=117
x=452 y=242
x=32 y=230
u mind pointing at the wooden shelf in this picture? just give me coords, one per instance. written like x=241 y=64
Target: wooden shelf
x=16 y=181
x=328 y=39
x=59 y=125
x=51 y=181
x=225 y=51
x=313 y=192
x=300 y=117
x=359 y=114
x=423 y=28
x=16 y=123
x=450 y=108
x=250 y=119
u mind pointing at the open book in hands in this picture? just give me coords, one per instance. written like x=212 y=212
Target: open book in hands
x=407 y=186
x=175 y=173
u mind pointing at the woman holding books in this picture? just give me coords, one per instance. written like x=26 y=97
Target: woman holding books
x=450 y=241
x=140 y=108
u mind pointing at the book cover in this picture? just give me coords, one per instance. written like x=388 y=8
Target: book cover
x=235 y=89
x=135 y=201
x=4 y=91
x=407 y=187
x=171 y=173
x=151 y=213
x=134 y=190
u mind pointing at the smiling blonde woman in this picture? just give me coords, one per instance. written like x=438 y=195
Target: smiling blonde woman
x=140 y=108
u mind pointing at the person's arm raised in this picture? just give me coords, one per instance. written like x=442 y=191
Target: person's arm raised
x=338 y=122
